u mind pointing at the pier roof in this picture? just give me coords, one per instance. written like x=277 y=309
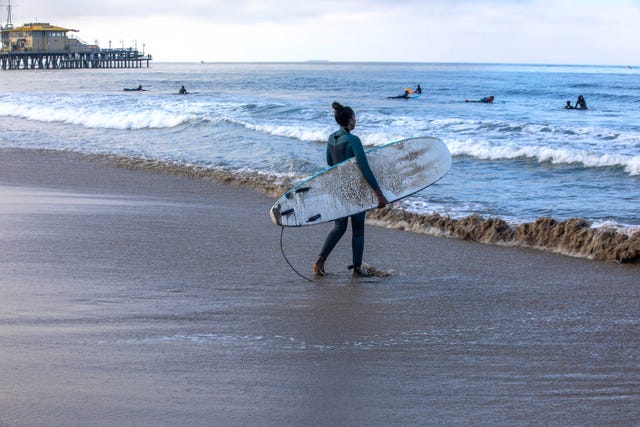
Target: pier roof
x=41 y=26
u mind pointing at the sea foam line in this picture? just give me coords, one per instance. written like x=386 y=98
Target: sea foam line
x=486 y=151
x=468 y=147
x=107 y=116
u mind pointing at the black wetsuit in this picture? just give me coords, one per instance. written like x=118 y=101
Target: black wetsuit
x=341 y=146
x=581 y=104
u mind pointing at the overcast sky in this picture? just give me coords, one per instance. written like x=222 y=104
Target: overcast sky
x=513 y=31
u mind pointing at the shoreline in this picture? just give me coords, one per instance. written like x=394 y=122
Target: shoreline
x=573 y=237
x=135 y=298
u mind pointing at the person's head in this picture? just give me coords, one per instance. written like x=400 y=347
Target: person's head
x=580 y=98
x=491 y=98
x=344 y=116
x=568 y=102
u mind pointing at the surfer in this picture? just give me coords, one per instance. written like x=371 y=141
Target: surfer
x=137 y=89
x=404 y=95
x=183 y=91
x=418 y=90
x=343 y=145
x=486 y=100
x=581 y=104
x=569 y=106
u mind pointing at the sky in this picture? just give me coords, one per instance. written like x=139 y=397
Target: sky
x=581 y=32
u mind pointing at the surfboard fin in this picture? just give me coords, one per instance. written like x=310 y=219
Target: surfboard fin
x=314 y=218
x=287 y=212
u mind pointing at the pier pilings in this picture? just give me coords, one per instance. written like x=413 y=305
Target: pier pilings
x=104 y=58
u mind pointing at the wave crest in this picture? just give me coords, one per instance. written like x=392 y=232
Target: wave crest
x=487 y=151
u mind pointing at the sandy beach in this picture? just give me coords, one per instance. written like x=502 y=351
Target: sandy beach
x=130 y=297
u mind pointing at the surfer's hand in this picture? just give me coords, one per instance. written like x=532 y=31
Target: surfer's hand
x=382 y=201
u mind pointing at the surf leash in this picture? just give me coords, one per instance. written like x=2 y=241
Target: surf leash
x=287 y=259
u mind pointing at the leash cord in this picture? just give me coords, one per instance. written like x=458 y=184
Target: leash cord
x=287 y=260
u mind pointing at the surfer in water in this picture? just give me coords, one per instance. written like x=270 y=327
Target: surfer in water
x=486 y=100
x=137 y=89
x=404 y=95
x=343 y=145
x=581 y=104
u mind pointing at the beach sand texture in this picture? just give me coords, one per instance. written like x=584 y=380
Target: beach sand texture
x=137 y=298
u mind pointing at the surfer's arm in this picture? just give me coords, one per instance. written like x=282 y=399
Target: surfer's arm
x=329 y=158
x=363 y=164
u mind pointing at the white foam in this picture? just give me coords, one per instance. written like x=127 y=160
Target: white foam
x=620 y=228
x=309 y=134
x=482 y=139
x=633 y=166
x=106 y=113
x=488 y=151
x=317 y=133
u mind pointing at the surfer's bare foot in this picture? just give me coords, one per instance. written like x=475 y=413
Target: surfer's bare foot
x=318 y=267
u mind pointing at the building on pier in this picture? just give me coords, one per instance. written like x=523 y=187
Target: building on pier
x=41 y=37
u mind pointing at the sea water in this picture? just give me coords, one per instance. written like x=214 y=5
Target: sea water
x=519 y=158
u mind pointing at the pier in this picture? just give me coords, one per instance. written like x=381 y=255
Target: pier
x=43 y=46
x=103 y=58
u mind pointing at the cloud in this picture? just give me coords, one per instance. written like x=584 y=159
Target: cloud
x=552 y=31
x=215 y=11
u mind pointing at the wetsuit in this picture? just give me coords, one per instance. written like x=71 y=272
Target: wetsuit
x=342 y=146
x=581 y=104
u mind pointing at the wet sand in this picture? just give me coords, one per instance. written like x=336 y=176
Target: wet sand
x=135 y=298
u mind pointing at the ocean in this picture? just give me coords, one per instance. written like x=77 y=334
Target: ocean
x=522 y=159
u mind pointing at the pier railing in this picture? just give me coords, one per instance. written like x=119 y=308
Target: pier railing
x=103 y=58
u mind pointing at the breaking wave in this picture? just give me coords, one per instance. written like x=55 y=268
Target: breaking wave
x=96 y=113
x=487 y=151
x=485 y=140
x=574 y=237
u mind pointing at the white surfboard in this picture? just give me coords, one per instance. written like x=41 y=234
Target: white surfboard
x=401 y=168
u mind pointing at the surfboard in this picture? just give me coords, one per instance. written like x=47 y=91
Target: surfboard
x=412 y=95
x=401 y=168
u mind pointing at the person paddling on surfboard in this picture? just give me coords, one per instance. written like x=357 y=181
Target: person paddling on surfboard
x=342 y=145
x=486 y=100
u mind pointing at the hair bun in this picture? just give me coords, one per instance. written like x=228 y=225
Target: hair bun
x=342 y=114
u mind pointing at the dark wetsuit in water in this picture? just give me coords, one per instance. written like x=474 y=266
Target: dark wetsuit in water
x=342 y=146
